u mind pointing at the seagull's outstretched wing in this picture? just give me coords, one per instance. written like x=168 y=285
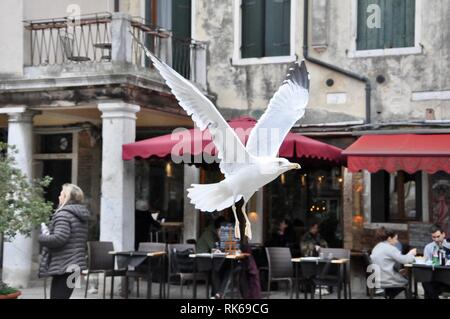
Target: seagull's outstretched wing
x=286 y=107
x=230 y=149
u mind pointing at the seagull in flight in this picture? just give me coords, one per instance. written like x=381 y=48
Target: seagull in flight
x=246 y=168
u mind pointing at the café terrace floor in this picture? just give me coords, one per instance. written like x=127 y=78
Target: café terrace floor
x=36 y=291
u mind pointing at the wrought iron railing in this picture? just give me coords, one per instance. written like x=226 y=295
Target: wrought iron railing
x=69 y=40
x=176 y=52
x=90 y=39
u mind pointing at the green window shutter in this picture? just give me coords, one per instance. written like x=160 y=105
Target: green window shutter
x=370 y=38
x=410 y=8
x=181 y=18
x=278 y=27
x=400 y=22
x=388 y=25
x=397 y=25
x=181 y=28
x=252 y=28
x=361 y=33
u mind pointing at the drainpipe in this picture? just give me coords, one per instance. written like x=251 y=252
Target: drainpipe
x=333 y=67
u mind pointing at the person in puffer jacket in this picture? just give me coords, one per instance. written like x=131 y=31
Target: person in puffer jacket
x=64 y=243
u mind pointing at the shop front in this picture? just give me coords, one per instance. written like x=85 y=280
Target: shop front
x=313 y=192
x=405 y=180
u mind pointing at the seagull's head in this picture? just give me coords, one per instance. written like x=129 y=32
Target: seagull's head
x=283 y=165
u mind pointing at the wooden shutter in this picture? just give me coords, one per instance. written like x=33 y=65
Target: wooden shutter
x=371 y=38
x=181 y=28
x=410 y=27
x=252 y=28
x=181 y=18
x=397 y=25
x=278 y=27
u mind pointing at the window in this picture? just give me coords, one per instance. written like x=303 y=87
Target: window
x=266 y=28
x=174 y=15
x=309 y=194
x=56 y=143
x=386 y=24
x=440 y=200
x=161 y=183
x=396 y=197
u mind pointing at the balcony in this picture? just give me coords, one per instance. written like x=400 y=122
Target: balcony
x=96 y=46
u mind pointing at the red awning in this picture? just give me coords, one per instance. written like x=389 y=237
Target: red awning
x=405 y=152
x=294 y=146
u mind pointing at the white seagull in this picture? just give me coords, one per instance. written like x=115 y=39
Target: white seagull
x=249 y=168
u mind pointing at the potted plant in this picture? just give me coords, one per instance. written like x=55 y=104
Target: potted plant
x=7 y=292
x=22 y=205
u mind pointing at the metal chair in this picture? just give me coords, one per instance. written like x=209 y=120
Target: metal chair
x=280 y=267
x=100 y=261
x=340 y=253
x=183 y=276
x=315 y=274
x=141 y=272
x=67 y=44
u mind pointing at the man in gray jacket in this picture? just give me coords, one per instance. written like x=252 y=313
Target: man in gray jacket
x=433 y=289
x=439 y=242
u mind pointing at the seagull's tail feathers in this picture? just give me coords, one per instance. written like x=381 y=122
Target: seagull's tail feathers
x=210 y=197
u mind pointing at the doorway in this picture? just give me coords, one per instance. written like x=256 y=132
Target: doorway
x=61 y=172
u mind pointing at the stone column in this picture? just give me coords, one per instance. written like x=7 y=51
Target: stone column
x=17 y=253
x=425 y=198
x=367 y=206
x=348 y=208
x=255 y=212
x=191 y=218
x=117 y=184
x=121 y=50
x=198 y=64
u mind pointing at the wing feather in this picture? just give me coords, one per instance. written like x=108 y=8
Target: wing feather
x=230 y=149
x=285 y=108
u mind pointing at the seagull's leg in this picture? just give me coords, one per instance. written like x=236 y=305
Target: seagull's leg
x=248 y=227
x=237 y=232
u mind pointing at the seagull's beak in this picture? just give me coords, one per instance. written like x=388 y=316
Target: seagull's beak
x=295 y=166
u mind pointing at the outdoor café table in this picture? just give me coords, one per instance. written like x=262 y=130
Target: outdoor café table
x=206 y=262
x=342 y=263
x=126 y=259
x=427 y=273
x=232 y=257
x=235 y=258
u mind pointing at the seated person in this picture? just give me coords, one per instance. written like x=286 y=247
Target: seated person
x=207 y=243
x=143 y=222
x=283 y=236
x=210 y=237
x=433 y=289
x=312 y=241
x=385 y=255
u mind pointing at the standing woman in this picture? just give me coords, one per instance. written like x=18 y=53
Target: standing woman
x=64 y=242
